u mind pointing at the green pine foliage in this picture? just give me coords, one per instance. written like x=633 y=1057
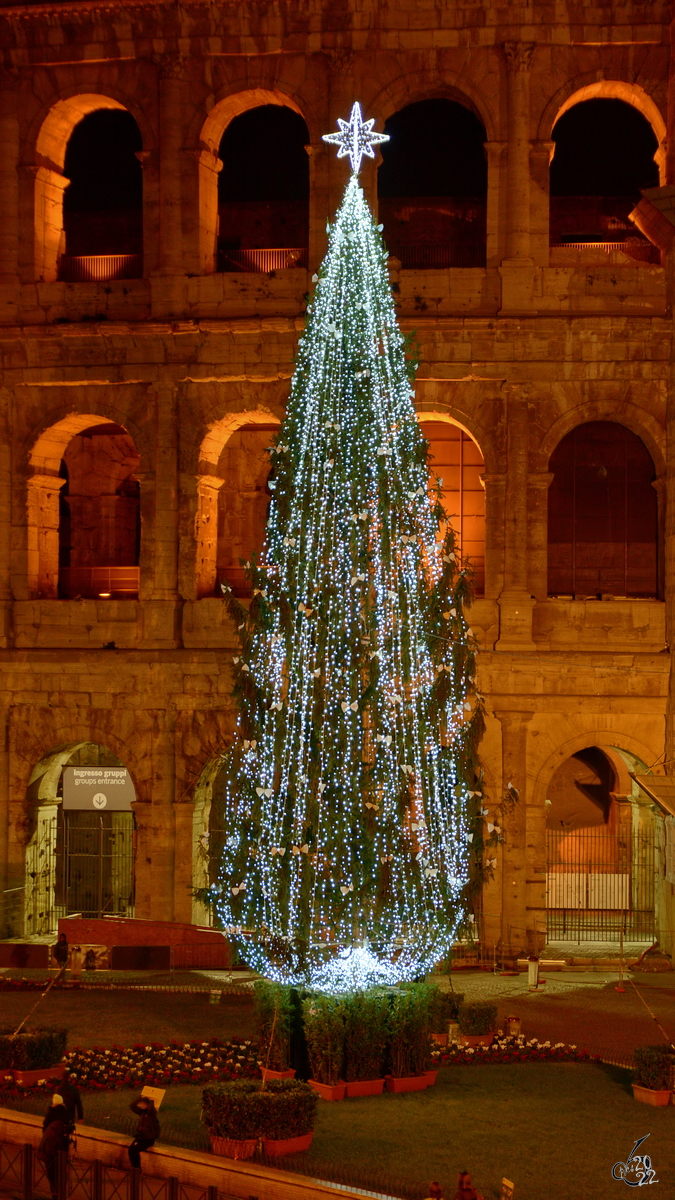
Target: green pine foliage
x=352 y=780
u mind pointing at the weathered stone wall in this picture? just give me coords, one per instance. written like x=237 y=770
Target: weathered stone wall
x=517 y=354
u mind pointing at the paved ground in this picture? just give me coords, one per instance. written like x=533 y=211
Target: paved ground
x=582 y=1008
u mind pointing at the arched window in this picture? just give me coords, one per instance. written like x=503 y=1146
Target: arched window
x=432 y=186
x=103 y=203
x=604 y=156
x=263 y=191
x=602 y=514
x=457 y=461
x=80 y=854
x=243 y=501
x=99 y=526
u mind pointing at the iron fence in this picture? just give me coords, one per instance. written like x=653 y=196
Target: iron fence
x=420 y=256
x=600 y=884
x=100 y=268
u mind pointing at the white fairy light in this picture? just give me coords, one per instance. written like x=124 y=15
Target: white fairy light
x=347 y=791
x=356 y=138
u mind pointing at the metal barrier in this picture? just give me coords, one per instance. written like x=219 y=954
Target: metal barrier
x=100 y=268
x=262 y=261
x=421 y=256
x=99 y=582
x=23 y=1175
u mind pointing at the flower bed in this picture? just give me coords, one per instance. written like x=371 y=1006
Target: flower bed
x=107 y=1070
x=509 y=1049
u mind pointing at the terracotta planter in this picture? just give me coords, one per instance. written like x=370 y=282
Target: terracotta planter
x=268 y=1073
x=650 y=1096
x=441 y=1039
x=274 y=1147
x=329 y=1091
x=477 y=1039
x=406 y=1083
x=233 y=1147
x=30 y=1078
x=430 y=1077
x=365 y=1087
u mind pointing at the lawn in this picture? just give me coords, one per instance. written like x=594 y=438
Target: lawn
x=123 y=1018
x=555 y=1129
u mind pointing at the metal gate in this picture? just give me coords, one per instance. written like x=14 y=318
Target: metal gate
x=40 y=915
x=95 y=863
x=600 y=883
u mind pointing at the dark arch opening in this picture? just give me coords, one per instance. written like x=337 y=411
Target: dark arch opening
x=604 y=156
x=103 y=205
x=263 y=191
x=432 y=185
x=99 y=515
x=602 y=515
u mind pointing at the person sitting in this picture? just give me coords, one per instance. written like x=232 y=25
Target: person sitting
x=147 y=1130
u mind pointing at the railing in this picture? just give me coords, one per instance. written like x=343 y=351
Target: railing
x=420 y=256
x=640 y=251
x=100 y=268
x=262 y=261
x=23 y=1175
x=90 y=583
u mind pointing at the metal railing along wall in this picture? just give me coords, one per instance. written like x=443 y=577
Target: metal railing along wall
x=600 y=884
x=261 y=261
x=420 y=256
x=100 y=268
x=22 y=1174
x=91 y=583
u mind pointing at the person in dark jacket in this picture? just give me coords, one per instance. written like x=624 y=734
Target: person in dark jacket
x=72 y=1099
x=147 y=1130
x=61 y=951
x=56 y=1137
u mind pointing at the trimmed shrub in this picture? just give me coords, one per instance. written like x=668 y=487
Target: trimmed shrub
x=444 y=1009
x=233 y=1110
x=366 y=1023
x=477 y=1018
x=325 y=1034
x=288 y=1108
x=246 y=1110
x=272 y=1015
x=32 y=1051
x=654 y=1067
x=410 y=1020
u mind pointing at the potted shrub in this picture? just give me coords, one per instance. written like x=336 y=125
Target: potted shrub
x=444 y=1009
x=325 y=1034
x=35 y=1056
x=366 y=1020
x=288 y=1116
x=410 y=1018
x=232 y=1113
x=477 y=1023
x=272 y=1015
x=653 y=1074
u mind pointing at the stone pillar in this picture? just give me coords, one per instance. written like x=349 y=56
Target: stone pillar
x=661 y=489
x=515 y=601
x=319 y=212
x=518 y=57
x=43 y=535
x=5 y=513
x=172 y=102
x=206 y=534
x=49 y=237
x=495 y=496
x=538 y=484
x=9 y=180
x=202 y=238
x=165 y=532
x=541 y=154
x=495 y=248
x=184 y=850
x=514 y=851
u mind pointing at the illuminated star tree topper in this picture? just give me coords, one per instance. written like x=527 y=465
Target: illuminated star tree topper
x=348 y=787
x=356 y=138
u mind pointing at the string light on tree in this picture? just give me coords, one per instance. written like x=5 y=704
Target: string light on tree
x=350 y=780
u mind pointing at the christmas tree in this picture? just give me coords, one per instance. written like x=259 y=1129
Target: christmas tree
x=351 y=778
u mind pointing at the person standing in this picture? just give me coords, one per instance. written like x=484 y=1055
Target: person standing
x=72 y=1099
x=147 y=1130
x=55 y=1138
x=60 y=952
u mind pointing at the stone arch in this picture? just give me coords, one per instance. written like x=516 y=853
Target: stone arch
x=609 y=741
x=209 y=483
x=201 y=838
x=410 y=87
x=209 y=164
x=46 y=869
x=464 y=505
x=51 y=142
x=623 y=412
x=576 y=91
x=43 y=489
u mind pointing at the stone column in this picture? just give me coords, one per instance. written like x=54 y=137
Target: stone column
x=495 y=247
x=206 y=534
x=495 y=497
x=159 y=527
x=514 y=851
x=515 y=601
x=202 y=248
x=172 y=102
x=661 y=488
x=319 y=212
x=49 y=237
x=518 y=57
x=541 y=154
x=9 y=180
x=538 y=484
x=43 y=535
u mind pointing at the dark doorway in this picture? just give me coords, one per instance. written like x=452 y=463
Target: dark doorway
x=432 y=185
